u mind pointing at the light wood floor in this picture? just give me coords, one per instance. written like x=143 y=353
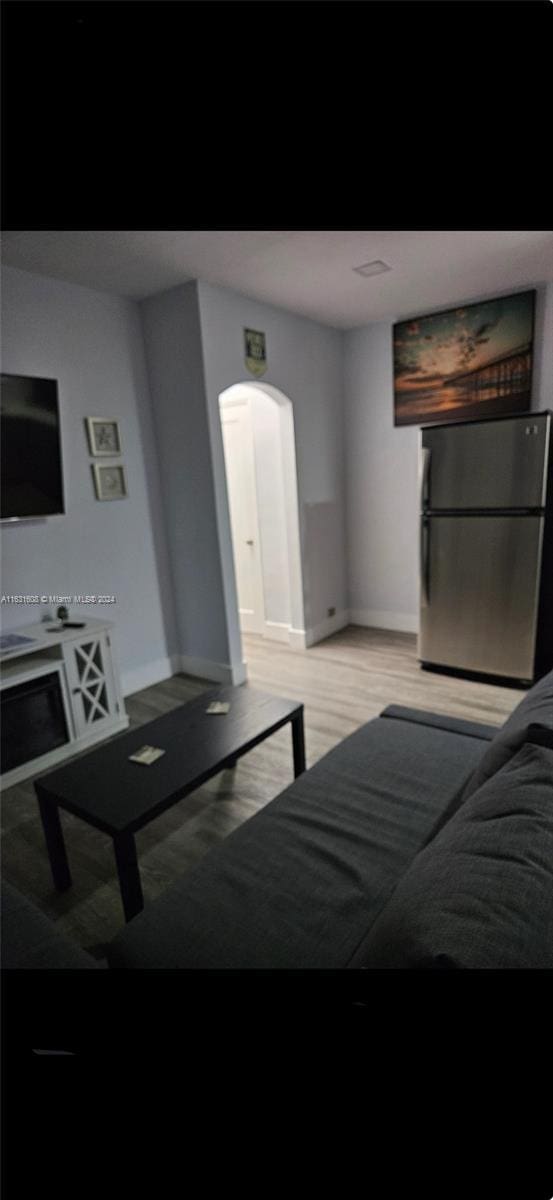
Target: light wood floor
x=344 y=682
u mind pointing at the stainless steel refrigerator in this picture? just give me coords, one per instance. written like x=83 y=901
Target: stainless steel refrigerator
x=486 y=547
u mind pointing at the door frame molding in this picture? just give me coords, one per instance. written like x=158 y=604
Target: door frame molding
x=258 y=619
x=297 y=629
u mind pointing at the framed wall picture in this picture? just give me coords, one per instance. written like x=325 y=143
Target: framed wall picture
x=255 y=346
x=469 y=362
x=110 y=481
x=103 y=435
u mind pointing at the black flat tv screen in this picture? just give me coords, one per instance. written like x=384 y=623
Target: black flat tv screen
x=32 y=483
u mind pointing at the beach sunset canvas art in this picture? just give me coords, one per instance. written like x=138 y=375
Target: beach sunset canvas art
x=469 y=362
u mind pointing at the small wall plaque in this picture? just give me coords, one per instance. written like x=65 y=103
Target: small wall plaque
x=110 y=482
x=103 y=436
x=256 y=351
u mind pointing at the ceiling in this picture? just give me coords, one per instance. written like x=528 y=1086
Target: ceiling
x=308 y=272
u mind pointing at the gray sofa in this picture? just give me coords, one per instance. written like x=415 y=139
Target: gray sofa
x=420 y=841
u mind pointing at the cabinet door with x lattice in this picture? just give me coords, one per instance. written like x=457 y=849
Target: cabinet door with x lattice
x=94 y=699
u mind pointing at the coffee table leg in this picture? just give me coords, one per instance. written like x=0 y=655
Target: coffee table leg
x=55 y=844
x=298 y=744
x=129 y=876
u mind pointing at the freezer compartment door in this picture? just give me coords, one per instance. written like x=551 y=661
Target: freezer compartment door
x=479 y=593
x=489 y=464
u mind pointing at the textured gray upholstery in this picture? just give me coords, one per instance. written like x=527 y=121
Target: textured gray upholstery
x=536 y=708
x=30 y=940
x=299 y=884
x=481 y=894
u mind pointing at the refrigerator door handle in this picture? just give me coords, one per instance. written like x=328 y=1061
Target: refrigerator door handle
x=424 y=483
x=424 y=561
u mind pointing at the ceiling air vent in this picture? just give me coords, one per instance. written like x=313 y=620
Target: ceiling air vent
x=373 y=268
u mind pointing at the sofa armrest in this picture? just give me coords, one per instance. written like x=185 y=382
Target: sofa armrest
x=417 y=716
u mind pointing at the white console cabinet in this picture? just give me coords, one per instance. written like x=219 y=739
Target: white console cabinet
x=68 y=676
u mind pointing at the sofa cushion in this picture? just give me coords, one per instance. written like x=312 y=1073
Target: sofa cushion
x=300 y=882
x=453 y=725
x=481 y=895
x=540 y=735
x=30 y=941
x=534 y=708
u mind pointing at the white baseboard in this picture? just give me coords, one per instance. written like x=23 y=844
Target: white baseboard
x=154 y=672
x=205 y=668
x=277 y=631
x=297 y=639
x=201 y=668
x=239 y=674
x=374 y=619
x=300 y=639
x=325 y=628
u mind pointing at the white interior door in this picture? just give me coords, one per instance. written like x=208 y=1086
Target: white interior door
x=240 y=469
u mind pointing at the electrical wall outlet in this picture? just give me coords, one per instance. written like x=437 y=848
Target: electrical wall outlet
x=331 y=612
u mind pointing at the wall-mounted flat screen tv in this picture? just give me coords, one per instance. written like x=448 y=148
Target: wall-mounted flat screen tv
x=32 y=481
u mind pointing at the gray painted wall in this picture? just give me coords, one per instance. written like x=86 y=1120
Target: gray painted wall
x=92 y=344
x=304 y=362
x=381 y=487
x=171 y=326
x=382 y=465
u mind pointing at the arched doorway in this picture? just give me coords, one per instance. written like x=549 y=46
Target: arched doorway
x=257 y=424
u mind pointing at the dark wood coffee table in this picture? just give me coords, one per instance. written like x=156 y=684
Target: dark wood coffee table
x=120 y=797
